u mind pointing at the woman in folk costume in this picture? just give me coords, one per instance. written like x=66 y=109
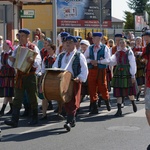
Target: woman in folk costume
x=117 y=39
x=140 y=74
x=62 y=47
x=46 y=63
x=97 y=56
x=123 y=81
x=7 y=74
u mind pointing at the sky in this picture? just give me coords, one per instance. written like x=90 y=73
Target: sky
x=118 y=8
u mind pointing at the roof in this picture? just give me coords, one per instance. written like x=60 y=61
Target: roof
x=116 y=20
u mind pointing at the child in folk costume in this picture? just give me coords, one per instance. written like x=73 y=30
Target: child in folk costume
x=46 y=63
x=140 y=75
x=44 y=53
x=7 y=74
x=123 y=81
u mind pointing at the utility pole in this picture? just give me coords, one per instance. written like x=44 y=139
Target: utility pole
x=54 y=5
x=101 y=17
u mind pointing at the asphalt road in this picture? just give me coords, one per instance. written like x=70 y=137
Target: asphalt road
x=97 y=132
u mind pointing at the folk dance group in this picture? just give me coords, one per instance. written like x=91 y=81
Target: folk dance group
x=89 y=65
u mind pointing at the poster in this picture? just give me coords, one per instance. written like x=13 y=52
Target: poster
x=84 y=13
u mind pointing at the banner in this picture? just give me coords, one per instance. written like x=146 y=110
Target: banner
x=139 y=23
x=83 y=13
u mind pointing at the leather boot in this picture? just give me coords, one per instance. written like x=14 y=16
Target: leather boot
x=134 y=106
x=138 y=95
x=94 y=109
x=108 y=106
x=70 y=122
x=13 y=122
x=99 y=101
x=119 y=112
x=34 y=119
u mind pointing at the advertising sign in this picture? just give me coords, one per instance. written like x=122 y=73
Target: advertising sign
x=84 y=13
x=139 y=23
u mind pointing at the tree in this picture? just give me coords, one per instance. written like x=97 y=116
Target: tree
x=129 y=17
x=139 y=6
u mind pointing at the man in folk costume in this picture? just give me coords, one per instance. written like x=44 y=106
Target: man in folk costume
x=146 y=55
x=25 y=82
x=62 y=47
x=97 y=56
x=74 y=62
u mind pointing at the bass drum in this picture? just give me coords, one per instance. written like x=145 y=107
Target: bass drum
x=57 y=85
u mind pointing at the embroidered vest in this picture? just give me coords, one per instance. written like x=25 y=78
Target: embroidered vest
x=100 y=54
x=76 y=67
x=48 y=61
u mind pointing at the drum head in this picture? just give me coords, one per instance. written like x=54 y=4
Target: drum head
x=54 y=69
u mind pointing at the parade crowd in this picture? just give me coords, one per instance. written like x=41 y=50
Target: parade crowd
x=97 y=64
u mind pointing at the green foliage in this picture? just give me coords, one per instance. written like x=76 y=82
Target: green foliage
x=129 y=17
x=139 y=6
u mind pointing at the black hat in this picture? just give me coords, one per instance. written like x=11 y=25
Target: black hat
x=118 y=35
x=24 y=30
x=99 y=34
x=71 y=38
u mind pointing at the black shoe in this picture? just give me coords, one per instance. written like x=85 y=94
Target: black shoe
x=33 y=122
x=118 y=114
x=11 y=123
x=138 y=96
x=73 y=124
x=108 y=105
x=94 y=109
x=43 y=118
x=134 y=106
x=67 y=126
x=90 y=106
x=99 y=101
